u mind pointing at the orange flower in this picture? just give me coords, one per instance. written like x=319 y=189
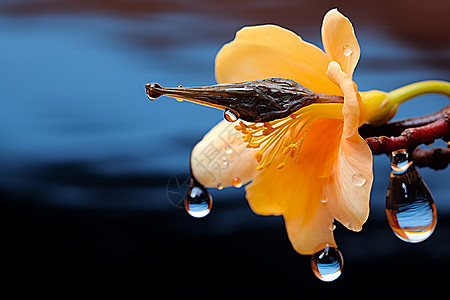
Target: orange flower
x=311 y=167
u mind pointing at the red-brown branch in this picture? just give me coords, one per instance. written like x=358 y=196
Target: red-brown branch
x=397 y=127
x=410 y=138
x=436 y=158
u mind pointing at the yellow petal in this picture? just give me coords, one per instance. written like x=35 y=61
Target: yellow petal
x=221 y=156
x=352 y=99
x=339 y=41
x=269 y=51
x=292 y=192
x=295 y=190
x=349 y=187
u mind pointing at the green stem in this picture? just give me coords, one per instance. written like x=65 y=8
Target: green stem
x=407 y=92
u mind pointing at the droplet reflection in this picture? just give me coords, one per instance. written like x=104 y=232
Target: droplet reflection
x=230 y=116
x=228 y=150
x=410 y=207
x=198 y=201
x=358 y=179
x=327 y=263
x=237 y=182
x=347 y=50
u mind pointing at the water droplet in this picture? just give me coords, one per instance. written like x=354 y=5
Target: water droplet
x=358 y=179
x=237 y=182
x=152 y=94
x=332 y=227
x=327 y=263
x=347 y=50
x=179 y=86
x=198 y=201
x=400 y=162
x=323 y=199
x=230 y=116
x=228 y=150
x=220 y=186
x=410 y=207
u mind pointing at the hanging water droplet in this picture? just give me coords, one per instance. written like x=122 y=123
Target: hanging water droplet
x=347 y=50
x=230 y=116
x=220 y=186
x=358 y=179
x=410 y=207
x=198 y=201
x=228 y=150
x=237 y=182
x=323 y=199
x=151 y=90
x=327 y=263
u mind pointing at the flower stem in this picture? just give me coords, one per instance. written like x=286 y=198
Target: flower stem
x=407 y=92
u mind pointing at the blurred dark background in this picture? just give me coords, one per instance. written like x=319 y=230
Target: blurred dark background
x=86 y=160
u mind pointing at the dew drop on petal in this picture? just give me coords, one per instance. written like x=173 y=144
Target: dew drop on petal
x=410 y=208
x=327 y=264
x=228 y=150
x=358 y=179
x=198 y=201
x=332 y=227
x=323 y=199
x=230 y=116
x=220 y=186
x=237 y=182
x=347 y=50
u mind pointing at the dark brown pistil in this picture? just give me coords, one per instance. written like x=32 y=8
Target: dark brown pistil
x=253 y=101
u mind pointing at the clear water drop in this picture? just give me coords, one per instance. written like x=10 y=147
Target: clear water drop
x=230 y=116
x=358 y=179
x=347 y=50
x=410 y=207
x=323 y=199
x=237 y=182
x=228 y=150
x=327 y=263
x=220 y=186
x=332 y=226
x=152 y=91
x=198 y=201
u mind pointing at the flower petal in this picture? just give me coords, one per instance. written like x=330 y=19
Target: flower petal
x=352 y=99
x=339 y=41
x=221 y=156
x=269 y=51
x=295 y=190
x=349 y=187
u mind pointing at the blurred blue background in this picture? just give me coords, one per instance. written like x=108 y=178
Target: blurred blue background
x=86 y=160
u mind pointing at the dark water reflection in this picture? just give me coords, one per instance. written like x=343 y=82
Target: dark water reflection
x=85 y=158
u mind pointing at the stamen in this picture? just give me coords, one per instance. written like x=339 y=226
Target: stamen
x=284 y=136
x=279 y=137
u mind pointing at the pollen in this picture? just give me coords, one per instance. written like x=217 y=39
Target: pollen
x=282 y=137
